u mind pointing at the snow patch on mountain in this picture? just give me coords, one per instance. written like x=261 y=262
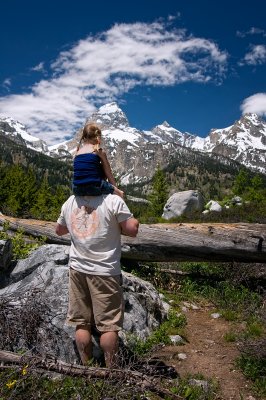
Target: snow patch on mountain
x=20 y=129
x=128 y=134
x=14 y=129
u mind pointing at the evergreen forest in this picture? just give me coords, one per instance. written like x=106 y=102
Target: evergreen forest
x=32 y=185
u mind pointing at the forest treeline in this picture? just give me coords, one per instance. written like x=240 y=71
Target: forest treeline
x=26 y=193
x=29 y=193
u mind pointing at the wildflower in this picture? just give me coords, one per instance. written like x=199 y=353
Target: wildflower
x=24 y=370
x=10 y=384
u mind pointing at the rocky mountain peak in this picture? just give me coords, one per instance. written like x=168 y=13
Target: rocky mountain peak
x=110 y=116
x=18 y=132
x=245 y=141
x=166 y=133
x=251 y=118
x=252 y=124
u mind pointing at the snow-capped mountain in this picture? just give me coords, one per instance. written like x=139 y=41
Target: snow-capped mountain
x=245 y=142
x=135 y=154
x=18 y=132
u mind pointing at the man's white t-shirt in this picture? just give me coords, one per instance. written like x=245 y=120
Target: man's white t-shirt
x=93 y=223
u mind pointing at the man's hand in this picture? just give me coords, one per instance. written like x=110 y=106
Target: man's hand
x=61 y=230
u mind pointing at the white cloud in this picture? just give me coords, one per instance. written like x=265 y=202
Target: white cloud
x=39 y=67
x=256 y=56
x=255 y=104
x=174 y=17
x=251 y=31
x=104 y=67
x=6 y=84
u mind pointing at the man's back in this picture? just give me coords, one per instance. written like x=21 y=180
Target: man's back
x=93 y=223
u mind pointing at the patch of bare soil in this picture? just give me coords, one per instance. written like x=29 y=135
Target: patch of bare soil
x=208 y=353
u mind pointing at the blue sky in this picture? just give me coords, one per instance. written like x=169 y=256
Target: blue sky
x=197 y=64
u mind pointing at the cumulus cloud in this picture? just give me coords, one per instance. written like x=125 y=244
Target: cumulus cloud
x=256 y=56
x=255 y=104
x=101 y=68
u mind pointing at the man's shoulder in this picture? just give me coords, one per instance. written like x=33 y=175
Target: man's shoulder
x=118 y=206
x=69 y=200
x=113 y=199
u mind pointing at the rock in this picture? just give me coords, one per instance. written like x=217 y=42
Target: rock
x=144 y=309
x=214 y=206
x=176 y=339
x=5 y=254
x=38 y=297
x=183 y=203
x=236 y=200
x=58 y=254
x=182 y=356
x=200 y=383
x=215 y=315
x=191 y=305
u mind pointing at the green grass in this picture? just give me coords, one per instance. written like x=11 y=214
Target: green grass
x=35 y=385
x=254 y=368
x=230 y=336
x=172 y=326
x=20 y=247
x=196 y=387
x=254 y=329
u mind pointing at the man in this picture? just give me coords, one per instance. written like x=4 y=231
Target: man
x=95 y=224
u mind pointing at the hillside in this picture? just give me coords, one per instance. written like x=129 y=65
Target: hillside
x=14 y=153
x=185 y=170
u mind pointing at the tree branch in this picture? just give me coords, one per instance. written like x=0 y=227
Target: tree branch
x=133 y=377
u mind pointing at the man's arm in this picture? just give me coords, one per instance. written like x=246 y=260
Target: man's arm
x=130 y=227
x=61 y=230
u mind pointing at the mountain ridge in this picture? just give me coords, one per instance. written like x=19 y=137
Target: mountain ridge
x=134 y=154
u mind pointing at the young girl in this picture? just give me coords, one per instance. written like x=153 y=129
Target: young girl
x=91 y=166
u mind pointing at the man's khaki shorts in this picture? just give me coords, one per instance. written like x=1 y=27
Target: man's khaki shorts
x=95 y=300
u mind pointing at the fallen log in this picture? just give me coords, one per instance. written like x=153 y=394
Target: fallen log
x=54 y=365
x=239 y=242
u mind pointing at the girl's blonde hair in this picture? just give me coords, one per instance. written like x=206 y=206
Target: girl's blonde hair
x=91 y=132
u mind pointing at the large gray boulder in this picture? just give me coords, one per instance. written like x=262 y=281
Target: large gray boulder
x=213 y=205
x=35 y=304
x=183 y=203
x=5 y=254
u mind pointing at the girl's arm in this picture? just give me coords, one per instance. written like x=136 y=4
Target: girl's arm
x=106 y=167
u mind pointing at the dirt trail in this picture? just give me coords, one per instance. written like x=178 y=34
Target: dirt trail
x=209 y=354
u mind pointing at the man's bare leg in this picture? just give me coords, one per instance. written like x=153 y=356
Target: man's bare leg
x=109 y=344
x=84 y=344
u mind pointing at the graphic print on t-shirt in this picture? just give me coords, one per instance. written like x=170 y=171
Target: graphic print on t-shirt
x=84 y=221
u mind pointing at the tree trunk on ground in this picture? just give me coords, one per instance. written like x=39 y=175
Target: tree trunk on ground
x=239 y=242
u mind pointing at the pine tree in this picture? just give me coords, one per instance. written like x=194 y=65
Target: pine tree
x=159 y=193
x=42 y=206
x=242 y=181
